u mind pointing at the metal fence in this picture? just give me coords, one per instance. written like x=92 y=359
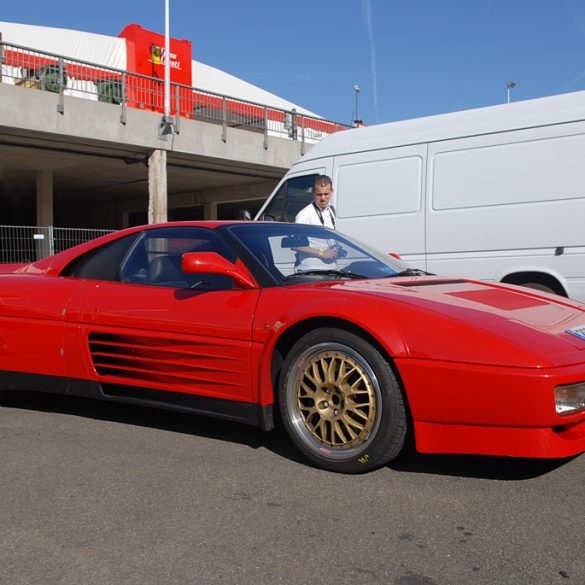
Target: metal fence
x=63 y=76
x=20 y=243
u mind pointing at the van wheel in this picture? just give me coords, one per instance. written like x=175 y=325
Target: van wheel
x=540 y=286
x=340 y=402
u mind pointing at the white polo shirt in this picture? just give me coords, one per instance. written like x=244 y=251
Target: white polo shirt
x=310 y=216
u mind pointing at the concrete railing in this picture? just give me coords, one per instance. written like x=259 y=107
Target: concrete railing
x=64 y=76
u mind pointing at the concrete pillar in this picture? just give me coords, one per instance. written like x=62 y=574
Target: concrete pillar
x=210 y=211
x=44 y=238
x=157 y=186
x=45 y=197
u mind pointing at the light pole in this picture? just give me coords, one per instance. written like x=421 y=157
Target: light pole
x=357 y=89
x=509 y=87
x=166 y=123
x=167 y=63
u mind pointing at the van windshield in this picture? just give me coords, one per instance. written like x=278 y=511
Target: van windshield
x=290 y=198
x=295 y=253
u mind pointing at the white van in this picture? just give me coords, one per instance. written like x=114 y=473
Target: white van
x=496 y=194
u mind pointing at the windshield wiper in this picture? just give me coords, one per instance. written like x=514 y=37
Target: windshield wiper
x=413 y=272
x=341 y=273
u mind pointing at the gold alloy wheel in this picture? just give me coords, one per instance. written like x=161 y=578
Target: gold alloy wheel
x=336 y=397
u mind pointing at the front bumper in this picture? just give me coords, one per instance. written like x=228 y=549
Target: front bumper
x=546 y=443
x=491 y=410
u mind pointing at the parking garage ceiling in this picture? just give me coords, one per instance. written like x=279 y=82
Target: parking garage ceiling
x=91 y=171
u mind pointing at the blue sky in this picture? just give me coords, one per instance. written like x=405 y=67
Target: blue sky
x=411 y=58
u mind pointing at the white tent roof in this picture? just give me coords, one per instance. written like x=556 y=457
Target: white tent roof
x=218 y=81
x=99 y=49
x=111 y=52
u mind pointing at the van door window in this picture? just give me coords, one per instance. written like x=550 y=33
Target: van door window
x=290 y=198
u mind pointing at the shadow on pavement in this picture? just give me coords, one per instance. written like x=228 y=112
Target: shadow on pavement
x=469 y=466
x=142 y=416
x=477 y=466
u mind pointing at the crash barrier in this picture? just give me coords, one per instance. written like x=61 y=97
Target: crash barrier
x=63 y=76
x=30 y=243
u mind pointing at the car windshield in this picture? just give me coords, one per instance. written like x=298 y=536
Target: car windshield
x=296 y=253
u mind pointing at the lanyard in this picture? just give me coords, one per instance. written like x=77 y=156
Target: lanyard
x=320 y=214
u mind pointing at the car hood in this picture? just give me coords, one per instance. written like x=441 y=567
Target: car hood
x=501 y=324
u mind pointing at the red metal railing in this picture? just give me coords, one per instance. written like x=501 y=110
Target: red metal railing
x=46 y=71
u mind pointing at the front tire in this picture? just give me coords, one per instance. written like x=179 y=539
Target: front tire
x=341 y=403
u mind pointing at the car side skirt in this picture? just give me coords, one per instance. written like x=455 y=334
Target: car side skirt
x=243 y=412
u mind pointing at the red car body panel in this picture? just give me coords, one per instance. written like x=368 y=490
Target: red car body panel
x=465 y=383
x=209 y=354
x=478 y=362
x=8 y=268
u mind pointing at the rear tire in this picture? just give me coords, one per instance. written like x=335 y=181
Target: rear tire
x=341 y=403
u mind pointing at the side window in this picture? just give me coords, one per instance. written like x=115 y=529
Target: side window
x=155 y=259
x=290 y=198
x=104 y=262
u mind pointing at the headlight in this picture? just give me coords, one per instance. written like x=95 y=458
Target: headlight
x=570 y=398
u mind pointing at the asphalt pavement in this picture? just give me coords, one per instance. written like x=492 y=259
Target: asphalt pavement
x=98 y=493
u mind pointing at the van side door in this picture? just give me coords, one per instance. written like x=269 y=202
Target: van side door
x=379 y=198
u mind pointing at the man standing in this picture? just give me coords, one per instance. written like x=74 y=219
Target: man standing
x=319 y=212
x=319 y=254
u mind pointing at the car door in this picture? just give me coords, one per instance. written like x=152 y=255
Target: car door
x=152 y=326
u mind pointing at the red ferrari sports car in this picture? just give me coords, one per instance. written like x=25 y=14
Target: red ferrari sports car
x=242 y=320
